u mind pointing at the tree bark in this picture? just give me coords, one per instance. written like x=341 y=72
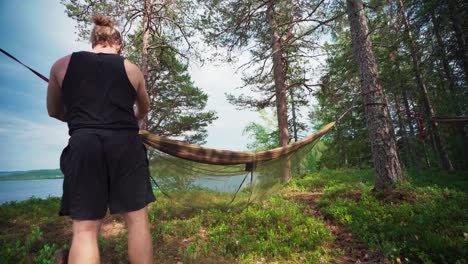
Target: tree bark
x=426 y=102
x=384 y=152
x=442 y=54
x=146 y=34
x=411 y=143
x=457 y=28
x=280 y=85
x=404 y=137
x=294 y=117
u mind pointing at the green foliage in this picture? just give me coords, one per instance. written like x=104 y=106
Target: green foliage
x=19 y=251
x=434 y=32
x=179 y=105
x=312 y=161
x=23 y=236
x=276 y=230
x=422 y=221
x=46 y=254
x=348 y=145
x=30 y=211
x=265 y=136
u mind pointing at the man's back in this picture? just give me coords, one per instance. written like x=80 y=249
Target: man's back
x=97 y=92
x=57 y=76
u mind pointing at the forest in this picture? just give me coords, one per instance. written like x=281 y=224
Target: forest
x=405 y=60
x=387 y=185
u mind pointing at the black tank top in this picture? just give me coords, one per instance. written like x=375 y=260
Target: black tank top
x=97 y=92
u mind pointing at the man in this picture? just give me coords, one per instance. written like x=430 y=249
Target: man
x=105 y=163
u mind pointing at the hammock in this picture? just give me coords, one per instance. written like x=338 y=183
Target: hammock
x=195 y=176
x=186 y=172
x=225 y=157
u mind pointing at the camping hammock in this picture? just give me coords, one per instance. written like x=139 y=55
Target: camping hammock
x=197 y=176
x=226 y=157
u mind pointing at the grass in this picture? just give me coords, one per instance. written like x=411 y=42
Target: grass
x=276 y=230
x=425 y=220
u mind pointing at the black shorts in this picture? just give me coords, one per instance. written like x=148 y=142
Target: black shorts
x=102 y=169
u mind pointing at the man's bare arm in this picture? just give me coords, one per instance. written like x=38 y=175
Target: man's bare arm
x=138 y=81
x=55 y=106
x=142 y=100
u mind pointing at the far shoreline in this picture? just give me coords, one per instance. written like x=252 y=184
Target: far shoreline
x=19 y=178
x=42 y=174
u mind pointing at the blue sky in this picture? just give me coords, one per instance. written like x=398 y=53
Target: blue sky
x=38 y=33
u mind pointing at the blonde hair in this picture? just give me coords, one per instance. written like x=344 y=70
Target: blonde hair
x=104 y=31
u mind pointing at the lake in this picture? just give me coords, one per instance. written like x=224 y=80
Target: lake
x=24 y=189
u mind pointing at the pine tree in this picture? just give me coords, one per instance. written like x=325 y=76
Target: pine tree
x=384 y=152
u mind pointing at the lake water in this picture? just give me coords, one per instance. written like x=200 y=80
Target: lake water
x=23 y=190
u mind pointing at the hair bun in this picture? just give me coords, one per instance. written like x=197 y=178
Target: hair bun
x=101 y=20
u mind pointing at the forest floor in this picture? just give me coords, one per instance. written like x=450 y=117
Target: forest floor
x=331 y=216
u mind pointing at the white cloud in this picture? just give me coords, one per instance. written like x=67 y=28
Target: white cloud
x=216 y=80
x=28 y=144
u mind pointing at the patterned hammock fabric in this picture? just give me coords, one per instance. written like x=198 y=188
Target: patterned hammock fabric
x=225 y=157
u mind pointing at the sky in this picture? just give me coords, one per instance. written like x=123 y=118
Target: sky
x=38 y=33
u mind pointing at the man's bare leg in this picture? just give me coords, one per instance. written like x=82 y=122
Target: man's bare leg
x=140 y=248
x=84 y=248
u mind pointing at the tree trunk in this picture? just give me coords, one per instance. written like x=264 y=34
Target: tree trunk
x=146 y=34
x=441 y=51
x=384 y=151
x=280 y=86
x=407 y=139
x=144 y=53
x=426 y=102
x=341 y=160
x=294 y=117
x=404 y=137
x=408 y=110
x=415 y=161
x=457 y=28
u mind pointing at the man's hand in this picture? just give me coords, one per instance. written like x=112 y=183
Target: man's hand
x=142 y=124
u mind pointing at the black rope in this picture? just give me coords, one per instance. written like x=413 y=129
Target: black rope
x=159 y=187
x=251 y=186
x=238 y=189
x=345 y=113
x=31 y=69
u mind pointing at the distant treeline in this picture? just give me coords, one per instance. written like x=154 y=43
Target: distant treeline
x=30 y=175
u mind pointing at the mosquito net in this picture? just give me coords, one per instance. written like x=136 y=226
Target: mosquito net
x=195 y=176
